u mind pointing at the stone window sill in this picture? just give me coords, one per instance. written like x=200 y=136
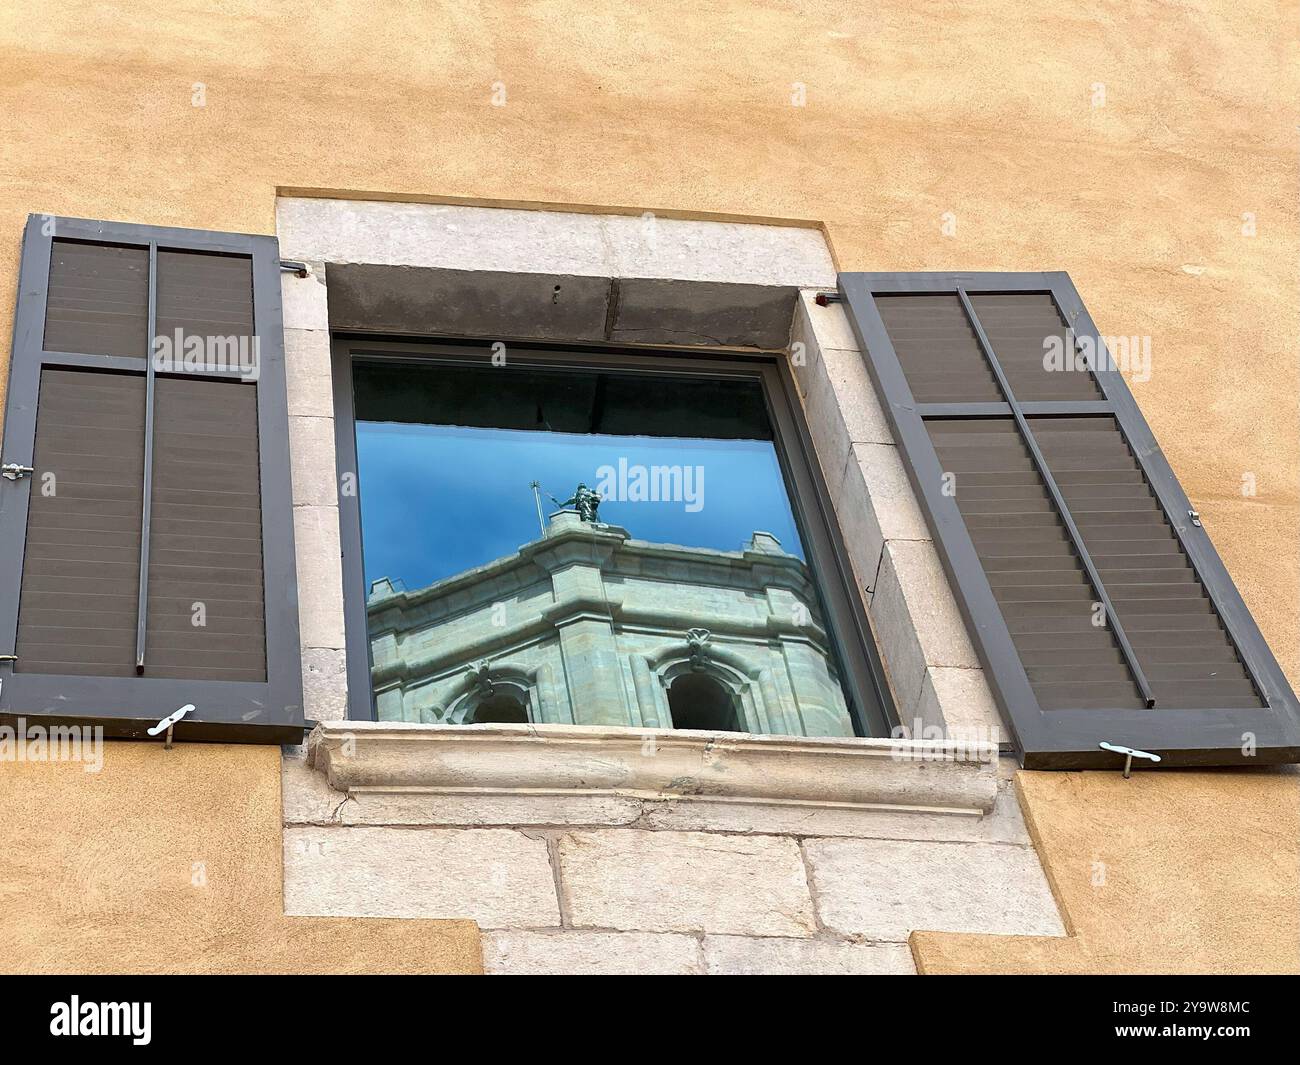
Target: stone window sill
x=550 y=760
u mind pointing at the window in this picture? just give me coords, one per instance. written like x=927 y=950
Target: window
x=699 y=701
x=1100 y=610
x=591 y=538
x=145 y=509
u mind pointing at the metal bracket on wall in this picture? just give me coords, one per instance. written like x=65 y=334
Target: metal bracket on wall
x=292 y=266
x=824 y=299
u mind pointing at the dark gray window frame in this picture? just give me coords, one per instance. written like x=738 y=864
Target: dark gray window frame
x=226 y=711
x=873 y=709
x=1068 y=738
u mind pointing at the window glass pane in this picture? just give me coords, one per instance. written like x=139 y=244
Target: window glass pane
x=585 y=547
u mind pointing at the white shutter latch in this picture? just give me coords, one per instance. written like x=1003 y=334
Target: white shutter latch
x=168 y=723
x=1129 y=754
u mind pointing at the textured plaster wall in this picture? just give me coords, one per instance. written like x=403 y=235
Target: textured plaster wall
x=977 y=110
x=911 y=111
x=171 y=861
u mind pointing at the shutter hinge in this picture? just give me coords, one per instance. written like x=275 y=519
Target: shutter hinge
x=1196 y=518
x=13 y=472
x=292 y=266
x=822 y=299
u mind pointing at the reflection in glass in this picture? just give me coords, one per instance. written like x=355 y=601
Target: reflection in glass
x=586 y=548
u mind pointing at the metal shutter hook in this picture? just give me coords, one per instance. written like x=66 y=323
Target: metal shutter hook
x=1129 y=754
x=168 y=723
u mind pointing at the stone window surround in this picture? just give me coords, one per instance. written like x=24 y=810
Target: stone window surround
x=930 y=663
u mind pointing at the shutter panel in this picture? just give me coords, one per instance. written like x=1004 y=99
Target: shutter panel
x=98 y=299
x=149 y=555
x=206 y=541
x=1098 y=606
x=81 y=572
x=1037 y=579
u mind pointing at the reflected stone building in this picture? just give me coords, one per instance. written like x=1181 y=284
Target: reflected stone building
x=589 y=626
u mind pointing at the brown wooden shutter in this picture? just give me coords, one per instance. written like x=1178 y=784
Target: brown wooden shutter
x=1098 y=605
x=152 y=562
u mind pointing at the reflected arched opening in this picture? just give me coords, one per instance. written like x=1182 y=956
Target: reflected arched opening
x=500 y=708
x=698 y=701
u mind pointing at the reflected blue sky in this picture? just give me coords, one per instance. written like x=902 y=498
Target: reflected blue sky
x=438 y=500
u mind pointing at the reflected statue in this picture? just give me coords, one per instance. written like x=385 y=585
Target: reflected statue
x=585 y=501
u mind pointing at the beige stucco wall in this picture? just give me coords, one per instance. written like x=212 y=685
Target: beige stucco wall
x=984 y=111
x=170 y=861
x=911 y=111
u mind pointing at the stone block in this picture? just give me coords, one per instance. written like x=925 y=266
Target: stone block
x=855 y=396
x=320 y=576
x=311 y=460
x=916 y=619
x=826 y=424
x=461 y=237
x=685 y=882
x=499 y=878
x=959 y=701
x=569 y=953
x=858 y=522
x=304 y=299
x=325 y=683
x=305 y=795
x=894 y=504
x=751 y=956
x=829 y=324
x=486 y=809
x=654 y=311
x=704 y=250
x=477 y=303
x=307 y=369
x=886 y=889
